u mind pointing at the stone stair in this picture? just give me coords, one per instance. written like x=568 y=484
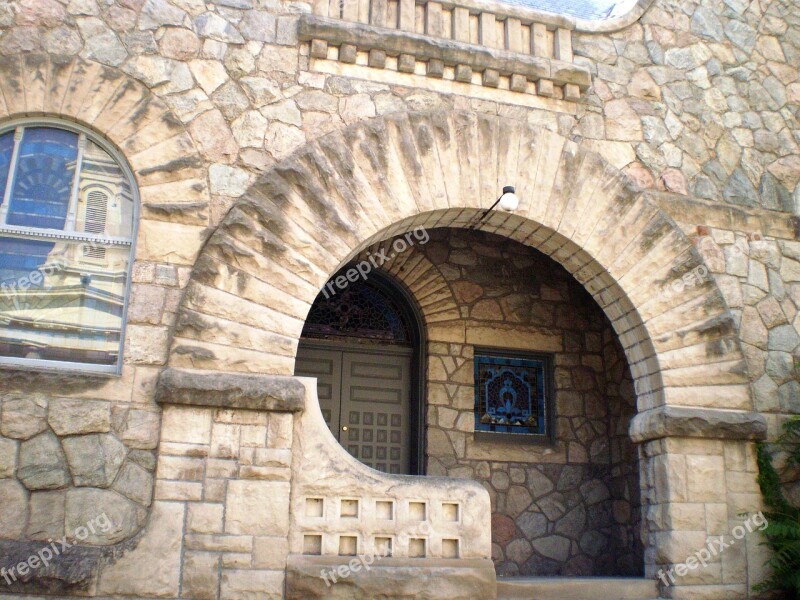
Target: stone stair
x=576 y=588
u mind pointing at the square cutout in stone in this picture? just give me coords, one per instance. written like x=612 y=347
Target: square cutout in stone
x=383 y=546
x=384 y=509
x=417 y=511
x=348 y=545
x=416 y=548
x=449 y=548
x=312 y=544
x=314 y=507
x=349 y=507
x=449 y=511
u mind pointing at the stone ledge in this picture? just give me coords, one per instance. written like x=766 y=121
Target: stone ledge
x=710 y=423
x=349 y=36
x=230 y=390
x=577 y=588
x=455 y=579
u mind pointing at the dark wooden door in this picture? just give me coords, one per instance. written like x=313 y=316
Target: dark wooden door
x=365 y=399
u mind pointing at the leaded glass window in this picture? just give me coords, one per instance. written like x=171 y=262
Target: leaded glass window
x=511 y=394
x=67 y=219
x=358 y=311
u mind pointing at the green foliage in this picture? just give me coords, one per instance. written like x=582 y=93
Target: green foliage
x=783 y=529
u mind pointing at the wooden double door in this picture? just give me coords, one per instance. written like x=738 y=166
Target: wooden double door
x=364 y=392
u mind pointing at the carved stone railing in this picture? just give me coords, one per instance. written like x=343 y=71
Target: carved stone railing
x=474 y=42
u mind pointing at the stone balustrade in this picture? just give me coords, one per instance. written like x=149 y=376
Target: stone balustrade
x=470 y=41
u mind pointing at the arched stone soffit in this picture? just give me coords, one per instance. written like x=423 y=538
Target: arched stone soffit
x=258 y=274
x=434 y=298
x=168 y=170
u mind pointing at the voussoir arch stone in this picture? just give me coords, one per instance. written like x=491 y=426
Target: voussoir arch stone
x=170 y=173
x=258 y=274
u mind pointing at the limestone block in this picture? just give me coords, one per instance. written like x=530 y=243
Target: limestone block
x=46 y=515
x=435 y=68
x=246 y=584
x=182 y=468
x=135 y=483
x=279 y=430
x=186 y=424
x=257 y=507
x=42 y=465
x=85 y=506
x=270 y=552
x=23 y=417
x=377 y=58
x=200 y=575
x=69 y=416
x=13 y=508
x=705 y=478
x=406 y=578
x=147 y=345
x=152 y=568
x=406 y=63
x=205 y=517
x=94 y=460
x=348 y=53
x=463 y=73
x=140 y=429
x=8 y=457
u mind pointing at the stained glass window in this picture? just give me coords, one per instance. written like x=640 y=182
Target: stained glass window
x=67 y=210
x=358 y=311
x=510 y=394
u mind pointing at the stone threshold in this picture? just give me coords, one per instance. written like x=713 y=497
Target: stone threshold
x=576 y=588
x=465 y=58
x=221 y=389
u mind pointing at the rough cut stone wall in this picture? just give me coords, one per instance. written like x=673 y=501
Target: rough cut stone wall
x=202 y=98
x=571 y=508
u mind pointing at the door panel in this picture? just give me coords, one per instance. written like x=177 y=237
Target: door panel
x=326 y=366
x=375 y=402
x=365 y=399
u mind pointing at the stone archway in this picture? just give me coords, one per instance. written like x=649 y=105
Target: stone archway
x=259 y=272
x=316 y=210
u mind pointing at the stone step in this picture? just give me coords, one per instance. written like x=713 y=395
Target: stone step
x=576 y=588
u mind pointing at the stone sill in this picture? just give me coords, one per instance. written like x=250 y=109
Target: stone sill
x=230 y=390
x=465 y=58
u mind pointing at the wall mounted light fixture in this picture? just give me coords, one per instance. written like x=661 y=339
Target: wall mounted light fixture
x=508 y=201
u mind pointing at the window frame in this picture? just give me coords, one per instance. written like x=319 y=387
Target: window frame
x=85 y=134
x=548 y=437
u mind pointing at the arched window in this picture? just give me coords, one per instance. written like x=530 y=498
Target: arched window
x=67 y=222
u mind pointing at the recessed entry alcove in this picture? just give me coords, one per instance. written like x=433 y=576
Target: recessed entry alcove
x=471 y=355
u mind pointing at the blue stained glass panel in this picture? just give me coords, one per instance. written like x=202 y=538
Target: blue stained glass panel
x=43 y=178
x=6 y=150
x=510 y=395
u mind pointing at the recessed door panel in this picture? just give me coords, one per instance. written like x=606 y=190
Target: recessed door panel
x=365 y=398
x=326 y=366
x=375 y=392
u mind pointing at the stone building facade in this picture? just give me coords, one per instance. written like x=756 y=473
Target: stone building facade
x=270 y=143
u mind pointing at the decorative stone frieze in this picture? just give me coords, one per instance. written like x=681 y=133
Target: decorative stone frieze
x=552 y=74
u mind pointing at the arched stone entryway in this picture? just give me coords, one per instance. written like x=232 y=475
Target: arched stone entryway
x=312 y=213
x=262 y=268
